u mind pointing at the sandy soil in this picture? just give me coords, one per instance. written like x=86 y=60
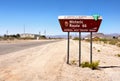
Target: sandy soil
x=48 y=63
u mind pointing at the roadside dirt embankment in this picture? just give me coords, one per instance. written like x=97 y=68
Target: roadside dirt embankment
x=48 y=63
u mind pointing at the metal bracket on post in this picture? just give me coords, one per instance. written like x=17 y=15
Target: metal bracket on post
x=79 y=49
x=68 y=48
x=90 y=47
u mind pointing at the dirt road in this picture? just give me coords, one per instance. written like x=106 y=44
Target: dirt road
x=48 y=63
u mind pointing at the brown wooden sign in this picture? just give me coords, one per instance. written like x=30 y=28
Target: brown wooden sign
x=79 y=23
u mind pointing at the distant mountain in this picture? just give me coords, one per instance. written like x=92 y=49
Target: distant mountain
x=100 y=35
x=114 y=34
x=65 y=36
x=57 y=36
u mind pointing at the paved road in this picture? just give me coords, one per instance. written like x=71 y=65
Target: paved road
x=8 y=48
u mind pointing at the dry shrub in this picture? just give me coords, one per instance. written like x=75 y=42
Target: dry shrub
x=93 y=65
x=73 y=62
x=113 y=42
x=118 y=44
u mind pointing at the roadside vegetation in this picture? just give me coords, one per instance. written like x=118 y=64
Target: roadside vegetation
x=112 y=42
x=98 y=50
x=75 y=38
x=118 y=55
x=17 y=36
x=94 y=65
x=10 y=37
x=73 y=62
x=102 y=40
x=106 y=41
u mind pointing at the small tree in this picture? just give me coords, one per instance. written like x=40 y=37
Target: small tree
x=18 y=35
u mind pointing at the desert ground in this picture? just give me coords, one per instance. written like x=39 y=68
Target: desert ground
x=48 y=63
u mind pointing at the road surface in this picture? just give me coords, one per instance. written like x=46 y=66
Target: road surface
x=13 y=47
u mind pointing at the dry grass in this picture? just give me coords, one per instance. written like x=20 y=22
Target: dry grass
x=94 y=65
x=118 y=55
x=73 y=62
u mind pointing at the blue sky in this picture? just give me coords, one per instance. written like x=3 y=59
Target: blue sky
x=41 y=15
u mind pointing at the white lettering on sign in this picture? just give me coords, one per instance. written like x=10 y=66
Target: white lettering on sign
x=91 y=30
x=75 y=30
x=84 y=25
x=72 y=25
x=75 y=22
x=84 y=30
x=68 y=30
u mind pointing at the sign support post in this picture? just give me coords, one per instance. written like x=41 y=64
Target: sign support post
x=91 y=47
x=79 y=49
x=68 y=48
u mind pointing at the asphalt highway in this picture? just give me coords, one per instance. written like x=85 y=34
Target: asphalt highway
x=8 y=48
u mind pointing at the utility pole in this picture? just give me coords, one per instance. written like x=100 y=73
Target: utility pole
x=24 y=28
x=7 y=32
x=39 y=34
x=45 y=33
